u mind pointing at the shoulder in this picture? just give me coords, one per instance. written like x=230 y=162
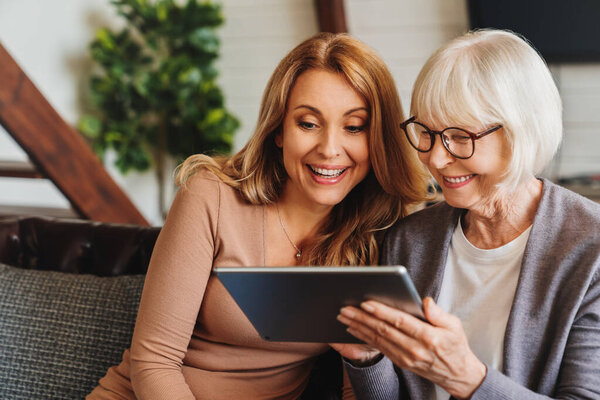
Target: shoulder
x=205 y=194
x=424 y=233
x=558 y=194
x=566 y=229
x=205 y=184
x=426 y=220
x=571 y=211
x=203 y=177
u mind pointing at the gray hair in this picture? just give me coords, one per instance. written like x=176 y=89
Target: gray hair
x=490 y=77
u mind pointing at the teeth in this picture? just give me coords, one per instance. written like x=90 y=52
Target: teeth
x=329 y=173
x=458 y=180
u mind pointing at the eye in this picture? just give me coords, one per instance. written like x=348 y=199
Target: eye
x=458 y=137
x=355 y=129
x=307 y=125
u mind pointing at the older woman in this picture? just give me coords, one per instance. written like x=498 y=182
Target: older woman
x=510 y=263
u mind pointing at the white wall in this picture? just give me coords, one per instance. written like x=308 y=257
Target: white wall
x=50 y=39
x=406 y=32
x=579 y=87
x=257 y=34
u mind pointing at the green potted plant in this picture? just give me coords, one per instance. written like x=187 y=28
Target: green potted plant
x=155 y=94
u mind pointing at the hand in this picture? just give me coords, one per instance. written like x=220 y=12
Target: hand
x=359 y=355
x=438 y=351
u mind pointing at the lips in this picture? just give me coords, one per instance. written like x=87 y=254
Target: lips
x=455 y=182
x=327 y=173
x=458 y=179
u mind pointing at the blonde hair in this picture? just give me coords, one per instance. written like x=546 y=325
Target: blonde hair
x=489 y=77
x=396 y=179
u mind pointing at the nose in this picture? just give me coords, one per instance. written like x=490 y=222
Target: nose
x=330 y=143
x=438 y=157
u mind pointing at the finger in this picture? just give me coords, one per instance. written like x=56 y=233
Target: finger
x=411 y=342
x=404 y=351
x=374 y=331
x=349 y=313
x=339 y=347
x=408 y=324
x=438 y=317
x=355 y=352
x=344 y=320
x=348 y=351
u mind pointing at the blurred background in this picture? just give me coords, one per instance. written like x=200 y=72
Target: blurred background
x=50 y=42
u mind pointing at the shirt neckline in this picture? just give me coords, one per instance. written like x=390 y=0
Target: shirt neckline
x=485 y=256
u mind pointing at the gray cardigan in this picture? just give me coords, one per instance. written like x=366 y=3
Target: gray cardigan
x=552 y=339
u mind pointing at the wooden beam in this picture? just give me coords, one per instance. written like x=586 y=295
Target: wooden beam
x=18 y=169
x=11 y=210
x=331 y=15
x=58 y=151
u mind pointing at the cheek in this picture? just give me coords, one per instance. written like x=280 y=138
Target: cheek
x=506 y=156
x=360 y=152
x=295 y=150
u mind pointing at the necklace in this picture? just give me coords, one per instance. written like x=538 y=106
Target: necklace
x=299 y=252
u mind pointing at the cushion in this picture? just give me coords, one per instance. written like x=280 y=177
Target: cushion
x=60 y=332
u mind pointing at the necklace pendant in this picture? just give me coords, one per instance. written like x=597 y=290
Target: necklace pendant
x=298 y=255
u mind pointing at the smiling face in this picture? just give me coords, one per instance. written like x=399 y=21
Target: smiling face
x=469 y=183
x=324 y=139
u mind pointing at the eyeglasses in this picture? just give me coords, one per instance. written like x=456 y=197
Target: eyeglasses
x=459 y=142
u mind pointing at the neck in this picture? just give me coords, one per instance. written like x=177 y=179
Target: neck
x=504 y=217
x=300 y=220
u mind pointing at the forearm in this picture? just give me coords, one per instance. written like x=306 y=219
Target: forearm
x=156 y=359
x=160 y=383
x=376 y=382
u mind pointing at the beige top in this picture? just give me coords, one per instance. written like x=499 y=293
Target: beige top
x=191 y=340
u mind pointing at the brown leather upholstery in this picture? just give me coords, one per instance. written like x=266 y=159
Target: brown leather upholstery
x=76 y=246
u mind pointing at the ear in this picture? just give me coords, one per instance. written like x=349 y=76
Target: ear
x=279 y=140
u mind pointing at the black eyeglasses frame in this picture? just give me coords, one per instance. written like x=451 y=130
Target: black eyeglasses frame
x=433 y=133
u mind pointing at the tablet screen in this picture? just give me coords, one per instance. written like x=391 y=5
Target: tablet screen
x=300 y=304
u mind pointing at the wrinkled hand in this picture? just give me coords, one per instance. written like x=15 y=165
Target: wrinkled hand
x=438 y=351
x=357 y=354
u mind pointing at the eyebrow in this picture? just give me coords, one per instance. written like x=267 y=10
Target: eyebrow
x=316 y=110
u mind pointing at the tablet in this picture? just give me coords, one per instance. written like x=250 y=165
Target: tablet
x=300 y=304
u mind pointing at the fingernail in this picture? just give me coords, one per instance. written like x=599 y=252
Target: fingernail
x=347 y=312
x=429 y=304
x=367 y=307
x=343 y=320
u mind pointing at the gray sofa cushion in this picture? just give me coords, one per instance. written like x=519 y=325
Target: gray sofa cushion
x=60 y=332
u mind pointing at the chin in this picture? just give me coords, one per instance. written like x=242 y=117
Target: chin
x=458 y=202
x=329 y=201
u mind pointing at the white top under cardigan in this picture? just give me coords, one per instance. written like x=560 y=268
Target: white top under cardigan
x=479 y=287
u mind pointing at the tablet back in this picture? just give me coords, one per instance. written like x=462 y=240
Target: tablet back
x=300 y=304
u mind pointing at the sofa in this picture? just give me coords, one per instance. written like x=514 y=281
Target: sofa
x=69 y=293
